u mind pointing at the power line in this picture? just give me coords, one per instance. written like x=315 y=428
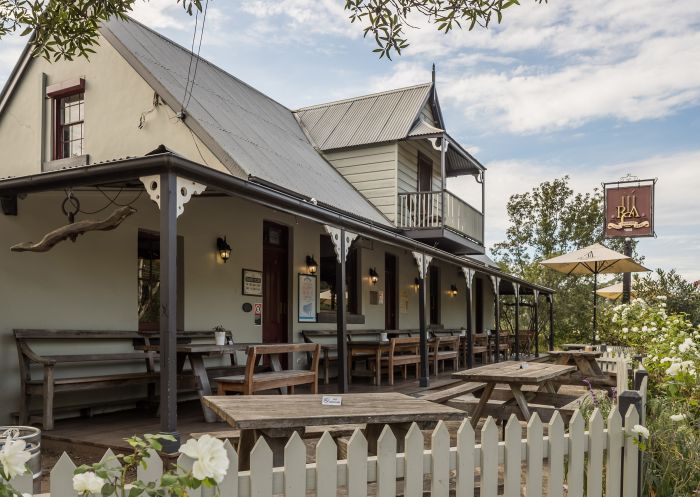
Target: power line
x=199 y=48
x=189 y=68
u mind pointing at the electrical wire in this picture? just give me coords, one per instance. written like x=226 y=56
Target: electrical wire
x=189 y=68
x=111 y=201
x=199 y=48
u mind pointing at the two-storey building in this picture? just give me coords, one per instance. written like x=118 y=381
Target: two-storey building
x=238 y=206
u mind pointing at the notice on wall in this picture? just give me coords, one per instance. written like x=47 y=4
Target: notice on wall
x=257 y=314
x=403 y=302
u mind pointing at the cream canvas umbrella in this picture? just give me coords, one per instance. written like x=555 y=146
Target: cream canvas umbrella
x=594 y=259
x=613 y=292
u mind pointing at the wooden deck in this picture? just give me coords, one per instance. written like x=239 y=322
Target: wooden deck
x=92 y=436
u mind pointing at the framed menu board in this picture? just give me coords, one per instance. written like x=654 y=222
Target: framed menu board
x=252 y=282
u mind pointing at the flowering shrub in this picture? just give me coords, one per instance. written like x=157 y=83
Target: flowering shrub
x=13 y=462
x=209 y=469
x=670 y=345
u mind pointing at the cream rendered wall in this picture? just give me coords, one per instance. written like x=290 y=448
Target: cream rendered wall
x=115 y=98
x=372 y=171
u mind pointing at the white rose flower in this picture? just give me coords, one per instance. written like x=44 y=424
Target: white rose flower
x=663 y=304
x=677 y=417
x=640 y=430
x=625 y=330
x=635 y=329
x=88 y=482
x=14 y=457
x=644 y=328
x=211 y=460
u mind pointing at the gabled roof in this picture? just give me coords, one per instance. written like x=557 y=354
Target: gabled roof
x=254 y=136
x=375 y=118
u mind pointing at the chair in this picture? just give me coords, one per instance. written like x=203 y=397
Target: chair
x=251 y=382
x=403 y=351
x=444 y=348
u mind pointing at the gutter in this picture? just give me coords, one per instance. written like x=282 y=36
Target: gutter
x=264 y=194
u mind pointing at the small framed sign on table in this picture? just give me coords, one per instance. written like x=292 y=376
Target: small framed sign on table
x=252 y=282
x=307 y=298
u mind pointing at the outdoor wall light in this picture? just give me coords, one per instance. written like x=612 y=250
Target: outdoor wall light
x=311 y=264
x=453 y=291
x=223 y=248
x=373 y=276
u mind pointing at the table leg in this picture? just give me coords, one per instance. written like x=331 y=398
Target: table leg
x=485 y=396
x=204 y=389
x=521 y=401
x=246 y=442
x=563 y=359
x=277 y=366
x=586 y=367
x=374 y=430
x=378 y=365
x=550 y=387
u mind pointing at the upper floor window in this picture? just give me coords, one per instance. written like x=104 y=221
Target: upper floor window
x=70 y=126
x=68 y=98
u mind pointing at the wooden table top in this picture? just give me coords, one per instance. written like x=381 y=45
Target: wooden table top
x=296 y=411
x=514 y=372
x=575 y=346
x=201 y=348
x=576 y=353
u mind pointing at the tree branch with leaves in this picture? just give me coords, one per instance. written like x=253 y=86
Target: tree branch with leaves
x=385 y=19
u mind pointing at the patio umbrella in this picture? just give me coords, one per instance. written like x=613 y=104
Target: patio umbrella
x=594 y=259
x=613 y=292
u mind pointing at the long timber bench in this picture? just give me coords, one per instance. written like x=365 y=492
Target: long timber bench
x=82 y=375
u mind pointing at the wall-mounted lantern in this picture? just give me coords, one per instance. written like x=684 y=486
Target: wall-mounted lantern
x=373 y=276
x=453 y=291
x=311 y=264
x=223 y=248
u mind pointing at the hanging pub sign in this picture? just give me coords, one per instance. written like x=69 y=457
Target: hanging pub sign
x=629 y=208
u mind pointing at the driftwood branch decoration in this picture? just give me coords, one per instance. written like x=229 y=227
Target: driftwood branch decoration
x=72 y=230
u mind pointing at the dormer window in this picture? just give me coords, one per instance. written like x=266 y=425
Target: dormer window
x=68 y=118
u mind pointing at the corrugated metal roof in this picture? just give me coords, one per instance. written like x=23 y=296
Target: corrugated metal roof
x=375 y=118
x=259 y=135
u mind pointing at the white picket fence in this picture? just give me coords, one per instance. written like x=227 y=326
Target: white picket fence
x=597 y=458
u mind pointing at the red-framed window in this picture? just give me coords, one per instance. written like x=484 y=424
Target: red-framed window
x=68 y=118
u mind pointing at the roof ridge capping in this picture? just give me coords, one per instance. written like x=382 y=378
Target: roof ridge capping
x=362 y=97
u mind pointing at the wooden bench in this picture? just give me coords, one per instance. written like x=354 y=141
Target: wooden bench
x=452 y=390
x=403 y=351
x=441 y=349
x=49 y=384
x=252 y=381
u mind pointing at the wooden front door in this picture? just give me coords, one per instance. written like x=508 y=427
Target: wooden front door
x=275 y=283
x=390 y=298
x=425 y=173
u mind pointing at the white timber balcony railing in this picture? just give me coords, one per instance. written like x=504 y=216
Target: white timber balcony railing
x=437 y=210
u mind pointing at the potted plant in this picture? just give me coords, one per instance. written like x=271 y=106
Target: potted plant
x=219 y=335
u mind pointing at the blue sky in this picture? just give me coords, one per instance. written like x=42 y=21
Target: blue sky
x=594 y=89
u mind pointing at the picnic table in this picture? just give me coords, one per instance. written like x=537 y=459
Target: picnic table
x=575 y=346
x=515 y=374
x=586 y=362
x=196 y=354
x=276 y=417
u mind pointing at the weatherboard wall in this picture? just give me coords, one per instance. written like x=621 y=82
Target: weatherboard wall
x=407 y=167
x=372 y=171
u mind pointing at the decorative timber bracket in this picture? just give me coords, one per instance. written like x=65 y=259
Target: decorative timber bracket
x=496 y=281
x=337 y=235
x=423 y=262
x=468 y=276
x=185 y=189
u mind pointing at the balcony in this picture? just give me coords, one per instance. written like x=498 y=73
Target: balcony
x=442 y=219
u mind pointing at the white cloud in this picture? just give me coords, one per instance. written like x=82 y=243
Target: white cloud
x=678 y=229
x=162 y=14
x=624 y=60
